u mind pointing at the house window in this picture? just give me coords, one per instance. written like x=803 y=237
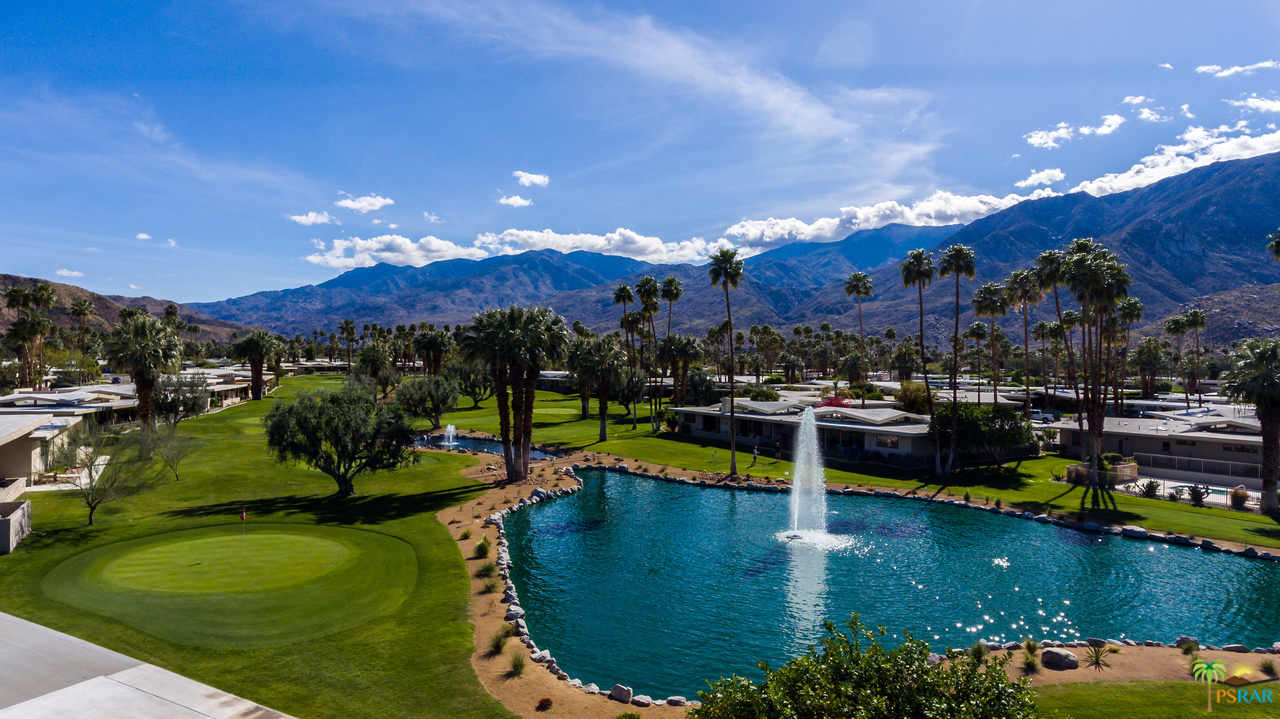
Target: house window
x=888 y=441
x=1164 y=447
x=1185 y=443
x=1246 y=449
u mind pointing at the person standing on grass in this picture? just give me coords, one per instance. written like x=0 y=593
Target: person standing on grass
x=755 y=455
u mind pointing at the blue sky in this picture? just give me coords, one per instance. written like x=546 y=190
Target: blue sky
x=197 y=151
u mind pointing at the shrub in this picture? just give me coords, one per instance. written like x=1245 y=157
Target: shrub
x=979 y=651
x=1190 y=648
x=490 y=586
x=1239 y=497
x=497 y=643
x=671 y=421
x=544 y=704
x=482 y=548
x=1112 y=458
x=508 y=630
x=814 y=685
x=486 y=570
x=914 y=397
x=1096 y=657
x=1150 y=489
x=999 y=503
x=762 y=394
x=629 y=715
x=466 y=534
x=1199 y=493
x=967 y=497
x=1031 y=646
x=1175 y=494
x=1268 y=667
x=516 y=668
x=1030 y=665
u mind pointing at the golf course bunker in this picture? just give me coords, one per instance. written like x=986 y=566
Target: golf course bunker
x=234 y=587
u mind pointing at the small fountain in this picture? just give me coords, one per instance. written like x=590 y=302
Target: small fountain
x=809 y=489
x=448 y=436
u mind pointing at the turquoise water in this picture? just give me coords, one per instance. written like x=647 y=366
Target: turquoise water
x=662 y=586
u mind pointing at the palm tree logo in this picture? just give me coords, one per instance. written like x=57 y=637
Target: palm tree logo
x=1208 y=672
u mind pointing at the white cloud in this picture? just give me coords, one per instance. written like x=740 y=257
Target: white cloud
x=346 y=254
x=940 y=208
x=392 y=226
x=377 y=222
x=312 y=218
x=1199 y=147
x=1135 y=99
x=1043 y=177
x=69 y=273
x=622 y=241
x=432 y=218
x=1150 y=115
x=515 y=201
x=1108 y=126
x=528 y=178
x=1257 y=103
x=368 y=203
x=1165 y=65
x=1049 y=139
x=1219 y=71
x=142 y=236
x=319 y=244
x=134 y=287
x=170 y=243
x=1186 y=112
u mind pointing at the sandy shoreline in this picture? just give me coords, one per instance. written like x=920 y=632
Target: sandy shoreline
x=521 y=694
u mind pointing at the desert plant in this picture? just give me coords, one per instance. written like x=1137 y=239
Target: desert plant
x=1096 y=657
x=508 y=630
x=1175 y=494
x=482 y=549
x=999 y=503
x=1268 y=667
x=1239 y=497
x=516 y=668
x=1150 y=489
x=486 y=570
x=490 y=586
x=544 y=704
x=497 y=643
x=1190 y=648
x=1031 y=646
x=466 y=534
x=1199 y=493
x=967 y=498
x=628 y=715
x=979 y=651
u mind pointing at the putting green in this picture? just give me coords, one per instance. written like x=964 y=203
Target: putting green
x=240 y=587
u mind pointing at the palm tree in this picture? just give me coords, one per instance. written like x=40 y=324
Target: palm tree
x=990 y=301
x=622 y=295
x=544 y=342
x=859 y=285
x=1149 y=361
x=1129 y=313
x=672 y=291
x=649 y=294
x=147 y=348
x=959 y=261
x=1254 y=377
x=347 y=331
x=1022 y=291
x=917 y=271
x=82 y=310
x=255 y=349
x=1196 y=321
x=602 y=362
x=725 y=270
x=488 y=342
x=1175 y=326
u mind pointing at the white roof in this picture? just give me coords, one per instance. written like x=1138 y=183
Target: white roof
x=20 y=425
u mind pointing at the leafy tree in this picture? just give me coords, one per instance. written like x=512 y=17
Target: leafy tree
x=179 y=397
x=343 y=434
x=853 y=676
x=859 y=285
x=914 y=397
x=427 y=398
x=473 y=382
x=171 y=448
x=1254 y=377
x=115 y=466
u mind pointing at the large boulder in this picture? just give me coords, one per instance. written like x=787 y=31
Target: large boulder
x=1055 y=658
x=620 y=693
x=1135 y=532
x=642 y=701
x=1237 y=648
x=676 y=701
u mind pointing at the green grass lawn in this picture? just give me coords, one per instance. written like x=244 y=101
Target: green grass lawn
x=1027 y=484
x=409 y=660
x=1146 y=700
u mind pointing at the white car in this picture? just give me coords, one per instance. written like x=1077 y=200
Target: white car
x=1038 y=416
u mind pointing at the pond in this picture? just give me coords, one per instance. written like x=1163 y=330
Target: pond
x=474 y=444
x=662 y=586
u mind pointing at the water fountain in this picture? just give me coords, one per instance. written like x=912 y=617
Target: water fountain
x=809 y=488
x=448 y=436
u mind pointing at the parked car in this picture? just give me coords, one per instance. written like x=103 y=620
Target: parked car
x=1042 y=416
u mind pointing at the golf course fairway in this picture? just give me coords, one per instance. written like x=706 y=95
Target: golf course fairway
x=233 y=586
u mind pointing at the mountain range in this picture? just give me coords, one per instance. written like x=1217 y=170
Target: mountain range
x=1183 y=238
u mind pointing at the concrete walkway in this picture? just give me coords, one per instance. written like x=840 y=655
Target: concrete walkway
x=46 y=674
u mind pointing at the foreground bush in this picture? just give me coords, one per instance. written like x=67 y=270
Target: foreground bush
x=852 y=675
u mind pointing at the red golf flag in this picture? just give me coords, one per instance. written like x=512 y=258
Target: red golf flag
x=242 y=514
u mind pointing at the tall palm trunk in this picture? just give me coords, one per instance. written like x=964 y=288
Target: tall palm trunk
x=862 y=347
x=955 y=384
x=924 y=368
x=1270 y=421
x=516 y=377
x=733 y=424
x=602 y=398
x=504 y=416
x=255 y=379
x=1026 y=361
x=145 y=386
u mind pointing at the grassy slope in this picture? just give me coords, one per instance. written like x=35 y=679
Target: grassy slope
x=1026 y=484
x=412 y=662
x=1145 y=700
